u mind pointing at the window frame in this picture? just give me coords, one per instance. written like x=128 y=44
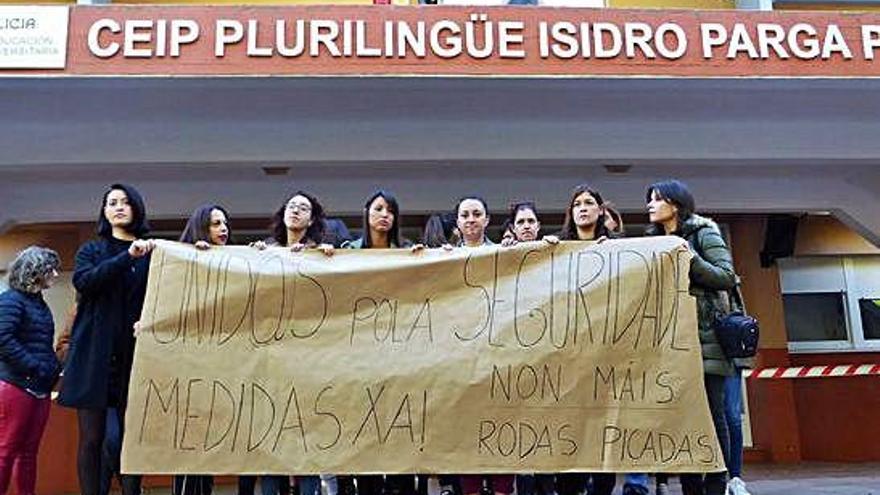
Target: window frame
x=856 y=341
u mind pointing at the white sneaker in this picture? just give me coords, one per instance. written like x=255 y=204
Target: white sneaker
x=736 y=486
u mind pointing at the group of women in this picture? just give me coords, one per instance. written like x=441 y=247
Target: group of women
x=110 y=277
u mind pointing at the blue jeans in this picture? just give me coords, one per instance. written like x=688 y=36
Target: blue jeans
x=309 y=485
x=712 y=483
x=733 y=407
x=270 y=484
x=331 y=482
x=635 y=484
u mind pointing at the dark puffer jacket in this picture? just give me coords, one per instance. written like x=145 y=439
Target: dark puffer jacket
x=711 y=276
x=27 y=359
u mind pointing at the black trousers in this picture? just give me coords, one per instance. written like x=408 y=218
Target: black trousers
x=575 y=483
x=90 y=465
x=369 y=484
x=192 y=484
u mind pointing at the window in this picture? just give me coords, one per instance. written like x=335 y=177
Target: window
x=831 y=303
x=869 y=310
x=815 y=317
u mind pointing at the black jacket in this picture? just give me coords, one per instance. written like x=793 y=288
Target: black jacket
x=27 y=359
x=111 y=286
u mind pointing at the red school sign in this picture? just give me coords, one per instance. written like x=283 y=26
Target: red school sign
x=466 y=41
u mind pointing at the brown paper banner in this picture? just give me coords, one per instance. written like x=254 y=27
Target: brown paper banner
x=536 y=358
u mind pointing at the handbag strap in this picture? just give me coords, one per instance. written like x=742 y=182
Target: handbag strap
x=737 y=297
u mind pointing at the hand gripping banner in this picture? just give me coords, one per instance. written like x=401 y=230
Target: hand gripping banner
x=535 y=358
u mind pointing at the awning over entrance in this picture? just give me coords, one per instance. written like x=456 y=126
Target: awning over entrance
x=201 y=127
x=744 y=145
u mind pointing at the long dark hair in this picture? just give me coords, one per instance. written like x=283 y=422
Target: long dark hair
x=438 y=230
x=674 y=192
x=314 y=232
x=198 y=227
x=394 y=208
x=336 y=232
x=569 y=230
x=612 y=213
x=138 y=226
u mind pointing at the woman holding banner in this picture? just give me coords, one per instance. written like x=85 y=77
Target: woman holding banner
x=207 y=226
x=585 y=216
x=110 y=277
x=586 y=220
x=671 y=212
x=381 y=224
x=524 y=221
x=522 y=225
x=381 y=230
x=299 y=223
x=473 y=218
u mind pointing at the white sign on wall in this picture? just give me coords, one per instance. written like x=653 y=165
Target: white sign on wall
x=33 y=37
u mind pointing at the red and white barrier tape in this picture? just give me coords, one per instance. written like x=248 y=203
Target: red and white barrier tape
x=815 y=371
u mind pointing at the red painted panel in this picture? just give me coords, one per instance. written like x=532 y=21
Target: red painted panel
x=838 y=418
x=774 y=420
x=56 y=463
x=198 y=57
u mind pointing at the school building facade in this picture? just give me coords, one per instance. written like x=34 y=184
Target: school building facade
x=781 y=151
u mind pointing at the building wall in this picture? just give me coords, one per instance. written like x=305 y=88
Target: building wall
x=836 y=416
x=825 y=235
x=817 y=419
x=772 y=406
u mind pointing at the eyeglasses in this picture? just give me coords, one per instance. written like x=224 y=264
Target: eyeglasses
x=299 y=207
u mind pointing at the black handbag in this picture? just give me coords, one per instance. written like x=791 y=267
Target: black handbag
x=737 y=332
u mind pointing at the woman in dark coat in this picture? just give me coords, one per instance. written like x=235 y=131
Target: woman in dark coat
x=28 y=366
x=671 y=211
x=110 y=277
